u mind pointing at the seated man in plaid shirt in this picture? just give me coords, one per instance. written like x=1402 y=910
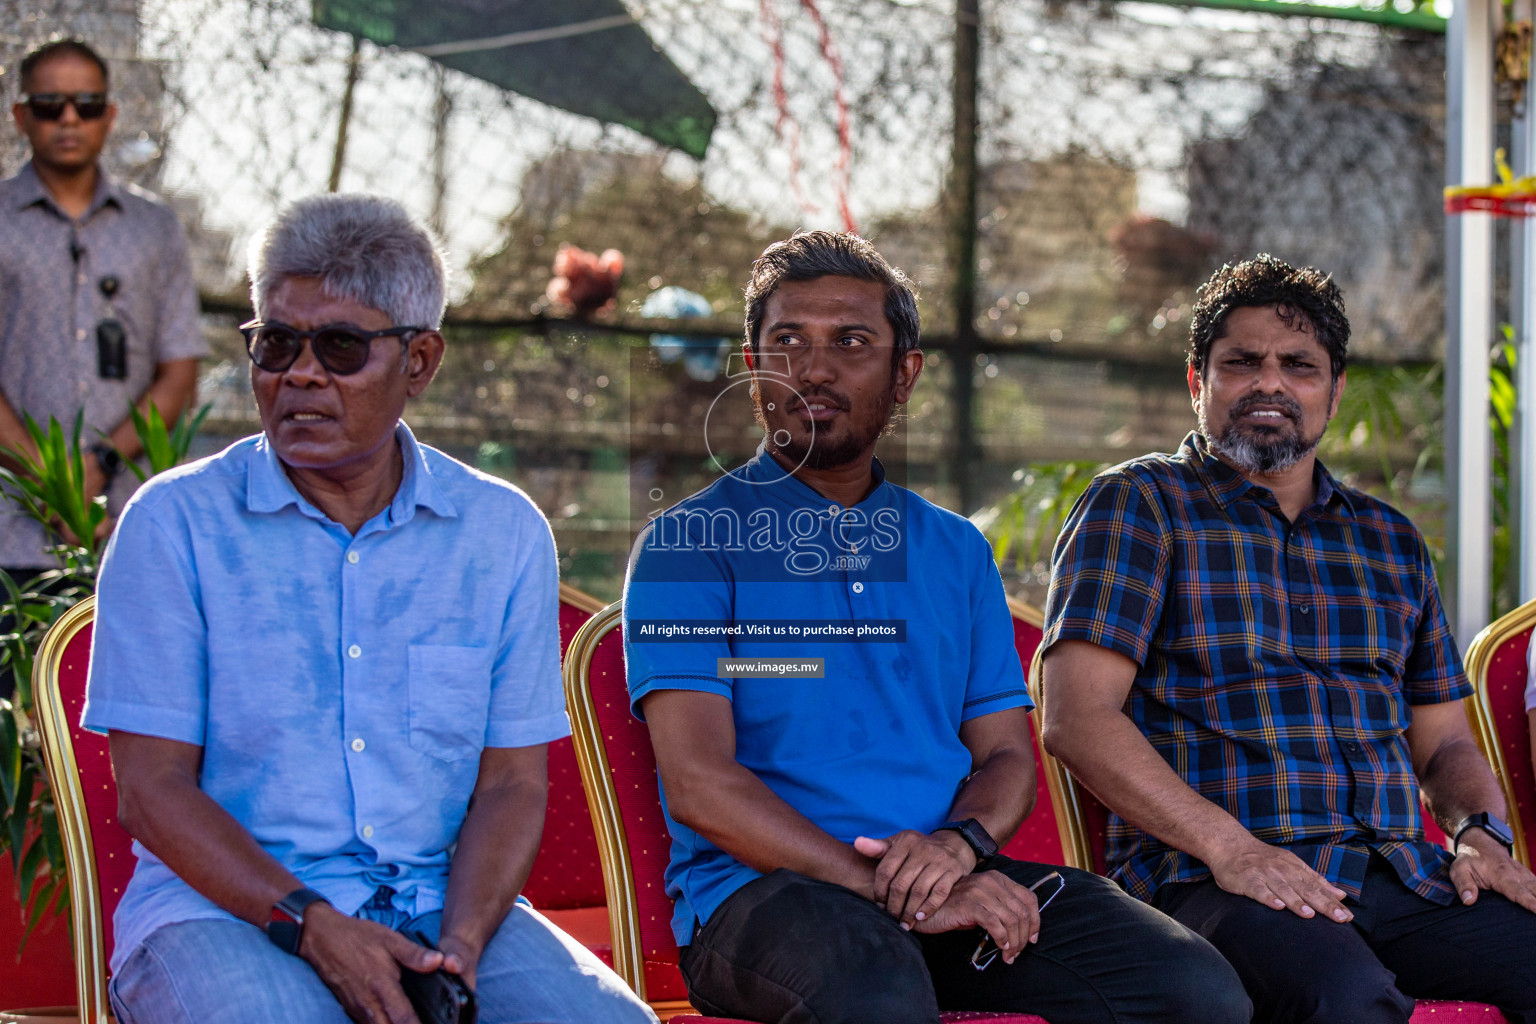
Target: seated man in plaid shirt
x=1247 y=661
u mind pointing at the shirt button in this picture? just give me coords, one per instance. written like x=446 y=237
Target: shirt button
x=352 y=557
x=833 y=509
x=354 y=651
x=80 y=334
x=1305 y=609
x=1352 y=747
x=367 y=831
x=358 y=744
x=858 y=588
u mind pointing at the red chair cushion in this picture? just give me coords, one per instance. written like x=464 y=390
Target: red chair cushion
x=1505 y=687
x=567 y=873
x=1435 y=1011
x=1039 y=838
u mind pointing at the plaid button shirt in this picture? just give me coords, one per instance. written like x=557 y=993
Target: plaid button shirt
x=1279 y=661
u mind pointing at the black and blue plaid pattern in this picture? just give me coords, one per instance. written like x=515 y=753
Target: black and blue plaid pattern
x=1279 y=661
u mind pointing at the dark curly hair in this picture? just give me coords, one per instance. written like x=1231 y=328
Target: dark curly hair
x=808 y=255
x=1305 y=299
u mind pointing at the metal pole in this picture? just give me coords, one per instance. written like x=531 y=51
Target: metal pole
x=441 y=111
x=1469 y=317
x=962 y=246
x=1523 y=298
x=354 y=70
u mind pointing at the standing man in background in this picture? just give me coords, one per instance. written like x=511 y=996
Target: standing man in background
x=98 y=310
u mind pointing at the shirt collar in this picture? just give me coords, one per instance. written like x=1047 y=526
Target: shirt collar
x=1225 y=484
x=29 y=190
x=268 y=489
x=764 y=469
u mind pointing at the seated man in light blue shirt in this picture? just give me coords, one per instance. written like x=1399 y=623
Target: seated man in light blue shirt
x=328 y=662
x=835 y=829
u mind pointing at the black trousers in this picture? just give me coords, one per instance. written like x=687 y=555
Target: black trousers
x=1400 y=947
x=788 y=949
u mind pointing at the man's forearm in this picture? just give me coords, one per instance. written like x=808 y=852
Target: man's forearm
x=13 y=436
x=497 y=844
x=992 y=795
x=1457 y=782
x=735 y=810
x=1136 y=783
x=207 y=848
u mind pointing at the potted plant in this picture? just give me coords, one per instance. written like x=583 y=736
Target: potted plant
x=50 y=488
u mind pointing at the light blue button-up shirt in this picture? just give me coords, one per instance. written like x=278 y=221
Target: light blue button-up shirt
x=342 y=687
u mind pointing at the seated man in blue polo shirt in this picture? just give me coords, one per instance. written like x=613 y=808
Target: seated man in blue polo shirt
x=835 y=827
x=328 y=693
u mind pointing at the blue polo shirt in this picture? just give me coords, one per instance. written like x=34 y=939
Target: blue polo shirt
x=758 y=565
x=342 y=686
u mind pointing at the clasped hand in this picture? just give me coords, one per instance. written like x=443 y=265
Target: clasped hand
x=360 y=962
x=926 y=882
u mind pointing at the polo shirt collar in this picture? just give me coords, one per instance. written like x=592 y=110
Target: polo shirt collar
x=764 y=469
x=268 y=489
x=29 y=190
x=1225 y=484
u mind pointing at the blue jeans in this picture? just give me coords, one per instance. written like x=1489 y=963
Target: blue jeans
x=226 y=972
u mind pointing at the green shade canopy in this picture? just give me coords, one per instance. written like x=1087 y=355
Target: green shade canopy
x=586 y=56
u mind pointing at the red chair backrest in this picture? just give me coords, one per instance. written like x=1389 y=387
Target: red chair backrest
x=632 y=768
x=1039 y=838
x=111 y=844
x=1498 y=665
x=566 y=872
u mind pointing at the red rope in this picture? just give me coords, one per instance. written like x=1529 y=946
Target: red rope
x=785 y=125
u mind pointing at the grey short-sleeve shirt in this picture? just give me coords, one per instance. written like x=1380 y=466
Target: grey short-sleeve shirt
x=51 y=268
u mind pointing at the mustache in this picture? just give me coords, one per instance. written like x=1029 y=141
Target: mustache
x=826 y=395
x=1289 y=406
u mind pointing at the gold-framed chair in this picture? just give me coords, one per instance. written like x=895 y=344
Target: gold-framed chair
x=97 y=851
x=1498 y=666
x=618 y=771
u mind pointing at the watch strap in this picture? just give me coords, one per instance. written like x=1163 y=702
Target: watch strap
x=285 y=928
x=1490 y=824
x=975 y=836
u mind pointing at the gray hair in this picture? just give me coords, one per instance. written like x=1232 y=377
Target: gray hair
x=363 y=248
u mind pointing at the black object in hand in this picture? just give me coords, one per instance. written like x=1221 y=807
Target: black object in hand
x=438 y=997
x=111 y=350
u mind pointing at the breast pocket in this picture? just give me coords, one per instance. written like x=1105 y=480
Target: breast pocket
x=450 y=696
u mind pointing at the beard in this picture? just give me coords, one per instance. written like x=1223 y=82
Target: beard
x=823 y=451
x=1255 y=448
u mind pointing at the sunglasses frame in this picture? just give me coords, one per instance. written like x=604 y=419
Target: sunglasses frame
x=85 y=104
x=253 y=328
x=983 y=957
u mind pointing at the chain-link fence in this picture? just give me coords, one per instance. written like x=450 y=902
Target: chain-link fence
x=1125 y=150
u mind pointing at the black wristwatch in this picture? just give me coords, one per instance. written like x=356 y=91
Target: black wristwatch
x=286 y=925
x=1488 y=823
x=109 y=459
x=976 y=837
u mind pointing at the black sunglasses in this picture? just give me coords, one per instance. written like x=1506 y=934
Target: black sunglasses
x=49 y=106
x=274 y=347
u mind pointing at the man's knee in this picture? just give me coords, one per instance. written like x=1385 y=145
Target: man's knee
x=1195 y=982
x=792 y=949
x=201 y=970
